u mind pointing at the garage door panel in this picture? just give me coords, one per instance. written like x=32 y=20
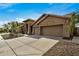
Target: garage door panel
x=52 y=30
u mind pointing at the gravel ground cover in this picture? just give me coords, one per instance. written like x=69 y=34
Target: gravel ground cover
x=63 y=48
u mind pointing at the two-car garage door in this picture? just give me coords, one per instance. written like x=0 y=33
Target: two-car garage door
x=52 y=30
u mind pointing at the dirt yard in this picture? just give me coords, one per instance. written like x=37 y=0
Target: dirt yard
x=63 y=49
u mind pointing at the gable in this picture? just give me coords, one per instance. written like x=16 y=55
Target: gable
x=51 y=20
x=41 y=18
x=48 y=19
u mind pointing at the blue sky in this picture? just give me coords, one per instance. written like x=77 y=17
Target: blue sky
x=21 y=11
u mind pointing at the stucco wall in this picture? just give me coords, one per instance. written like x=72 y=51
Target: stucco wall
x=36 y=29
x=27 y=27
x=50 y=21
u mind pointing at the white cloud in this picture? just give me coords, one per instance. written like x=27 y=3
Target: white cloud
x=5 y=5
x=34 y=16
x=19 y=19
x=3 y=22
x=7 y=21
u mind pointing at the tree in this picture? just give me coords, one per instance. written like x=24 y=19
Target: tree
x=11 y=26
x=77 y=18
x=5 y=27
x=14 y=26
x=1 y=30
x=72 y=24
x=74 y=19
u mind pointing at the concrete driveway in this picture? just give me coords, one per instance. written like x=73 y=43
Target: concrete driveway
x=32 y=45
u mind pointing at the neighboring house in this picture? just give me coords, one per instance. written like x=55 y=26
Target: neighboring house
x=27 y=26
x=53 y=25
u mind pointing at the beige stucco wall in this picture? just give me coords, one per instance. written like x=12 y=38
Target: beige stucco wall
x=51 y=21
x=36 y=29
x=27 y=28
